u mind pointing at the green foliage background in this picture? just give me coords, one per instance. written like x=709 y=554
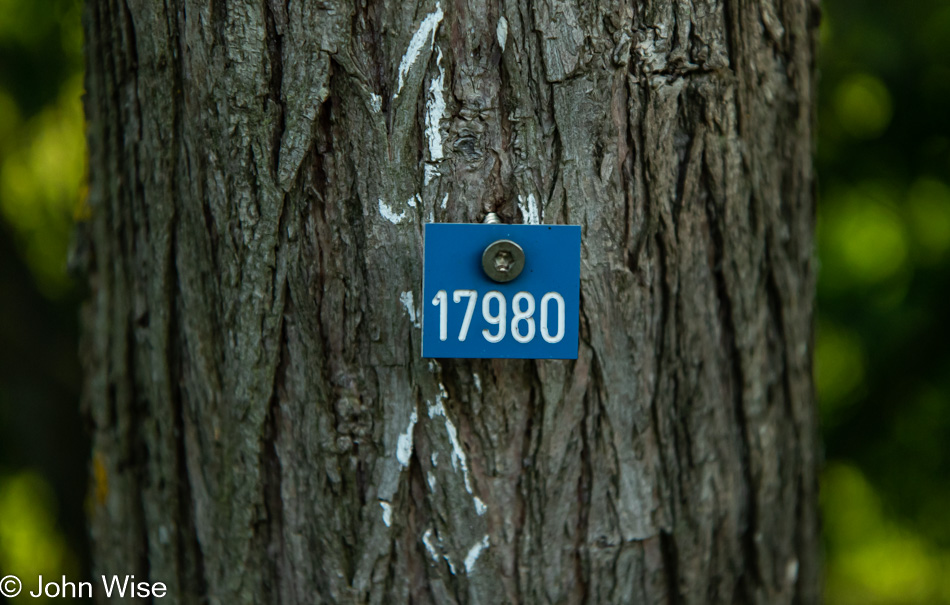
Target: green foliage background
x=882 y=362
x=43 y=446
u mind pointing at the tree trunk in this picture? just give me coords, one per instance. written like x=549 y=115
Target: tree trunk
x=260 y=174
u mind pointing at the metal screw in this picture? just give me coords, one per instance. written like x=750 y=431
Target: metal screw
x=503 y=260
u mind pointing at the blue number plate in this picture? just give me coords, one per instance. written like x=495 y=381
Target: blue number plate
x=465 y=314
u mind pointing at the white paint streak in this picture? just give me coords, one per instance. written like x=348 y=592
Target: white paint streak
x=411 y=202
x=791 y=571
x=430 y=547
x=406 y=299
x=435 y=111
x=390 y=215
x=474 y=553
x=480 y=507
x=529 y=209
x=501 y=32
x=459 y=459
x=478 y=381
x=445 y=201
x=437 y=409
x=425 y=35
x=458 y=454
x=446 y=557
x=430 y=172
x=435 y=458
x=404 y=442
x=430 y=479
x=387 y=512
x=376 y=102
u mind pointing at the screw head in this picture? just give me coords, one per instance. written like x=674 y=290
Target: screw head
x=503 y=260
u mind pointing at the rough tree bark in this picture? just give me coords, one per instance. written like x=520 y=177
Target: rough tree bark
x=260 y=174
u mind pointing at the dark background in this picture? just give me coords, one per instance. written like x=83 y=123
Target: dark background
x=882 y=363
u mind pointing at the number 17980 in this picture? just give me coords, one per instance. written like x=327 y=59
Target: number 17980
x=522 y=320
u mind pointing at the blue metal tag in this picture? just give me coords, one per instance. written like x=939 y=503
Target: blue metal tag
x=467 y=314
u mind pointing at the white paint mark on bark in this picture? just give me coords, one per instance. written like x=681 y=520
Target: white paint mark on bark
x=480 y=507
x=404 y=442
x=435 y=111
x=474 y=553
x=387 y=512
x=478 y=381
x=430 y=479
x=501 y=32
x=390 y=215
x=445 y=200
x=459 y=459
x=437 y=409
x=411 y=202
x=430 y=172
x=529 y=209
x=425 y=35
x=406 y=299
x=376 y=102
x=427 y=540
x=430 y=547
x=791 y=571
x=435 y=458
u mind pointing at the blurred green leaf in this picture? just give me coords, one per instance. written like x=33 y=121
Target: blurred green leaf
x=30 y=542
x=863 y=105
x=41 y=180
x=839 y=368
x=863 y=236
x=928 y=203
x=877 y=560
